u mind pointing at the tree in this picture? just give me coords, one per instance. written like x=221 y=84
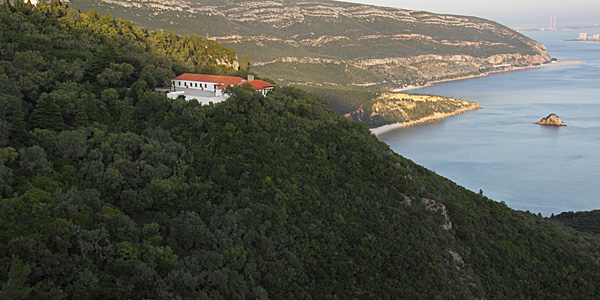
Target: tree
x=104 y=56
x=18 y=132
x=138 y=90
x=5 y=118
x=46 y=114
x=33 y=161
x=16 y=286
x=28 y=6
x=7 y=155
x=4 y=132
x=81 y=117
x=148 y=76
x=71 y=144
x=55 y=3
x=126 y=122
x=116 y=75
x=107 y=18
x=5 y=5
x=245 y=64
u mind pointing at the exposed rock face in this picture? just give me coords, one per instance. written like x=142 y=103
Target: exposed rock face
x=552 y=120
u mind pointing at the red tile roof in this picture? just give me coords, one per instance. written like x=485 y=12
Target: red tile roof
x=260 y=85
x=224 y=81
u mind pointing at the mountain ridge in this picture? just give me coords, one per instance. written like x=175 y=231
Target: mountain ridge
x=389 y=46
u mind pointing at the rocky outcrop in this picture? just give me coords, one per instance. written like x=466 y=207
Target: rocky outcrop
x=551 y=120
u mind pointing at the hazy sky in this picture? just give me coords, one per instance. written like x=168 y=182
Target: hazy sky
x=508 y=12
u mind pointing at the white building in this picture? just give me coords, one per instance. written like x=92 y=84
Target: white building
x=582 y=36
x=214 y=84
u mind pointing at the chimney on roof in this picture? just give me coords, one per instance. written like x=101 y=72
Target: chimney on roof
x=250 y=77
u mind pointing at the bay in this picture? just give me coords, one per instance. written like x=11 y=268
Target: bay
x=497 y=149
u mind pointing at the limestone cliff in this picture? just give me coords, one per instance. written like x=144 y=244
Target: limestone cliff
x=331 y=43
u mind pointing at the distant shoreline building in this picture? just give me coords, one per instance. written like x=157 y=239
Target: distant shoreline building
x=585 y=37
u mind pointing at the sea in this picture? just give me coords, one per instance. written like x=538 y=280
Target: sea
x=498 y=149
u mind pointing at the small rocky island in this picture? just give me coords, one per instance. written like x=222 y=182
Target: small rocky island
x=552 y=120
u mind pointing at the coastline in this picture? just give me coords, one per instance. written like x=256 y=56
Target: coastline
x=436 y=116
x=549 y=64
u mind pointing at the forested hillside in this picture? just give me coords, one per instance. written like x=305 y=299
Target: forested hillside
x=109 y=190
x=586 y=221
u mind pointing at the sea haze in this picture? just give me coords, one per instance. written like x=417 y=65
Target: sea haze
x=499 y=150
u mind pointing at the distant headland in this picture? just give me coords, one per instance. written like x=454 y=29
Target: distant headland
x=390 y=111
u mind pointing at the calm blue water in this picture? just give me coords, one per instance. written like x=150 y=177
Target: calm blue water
x=499 y=150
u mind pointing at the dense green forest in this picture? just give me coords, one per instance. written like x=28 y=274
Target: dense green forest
x=109 y=190
x=586 y=221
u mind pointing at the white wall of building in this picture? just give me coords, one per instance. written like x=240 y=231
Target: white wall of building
x=198 y=85
x=182 y=85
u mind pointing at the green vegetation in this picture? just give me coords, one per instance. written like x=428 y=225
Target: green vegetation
x=129 y=195
x=342 y=100
x=73 y=47
x=586 y=221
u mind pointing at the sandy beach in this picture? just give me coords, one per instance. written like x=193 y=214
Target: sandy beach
x=436 y=116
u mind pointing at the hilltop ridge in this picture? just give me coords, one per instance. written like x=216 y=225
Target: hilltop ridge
x=339 y=43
